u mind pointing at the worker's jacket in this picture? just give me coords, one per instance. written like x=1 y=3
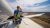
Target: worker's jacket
x=17 y=13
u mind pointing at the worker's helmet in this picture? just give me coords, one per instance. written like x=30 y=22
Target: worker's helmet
x=18 y=6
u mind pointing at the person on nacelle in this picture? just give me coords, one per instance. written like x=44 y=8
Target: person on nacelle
x=18 y=14
x=17 y=18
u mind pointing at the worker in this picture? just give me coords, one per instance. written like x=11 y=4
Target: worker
x=18 y=15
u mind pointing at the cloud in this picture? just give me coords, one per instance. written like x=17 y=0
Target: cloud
x=32 y=5
x=24 y=2
x=43 y=3
x=37 y=9
x=30 y=2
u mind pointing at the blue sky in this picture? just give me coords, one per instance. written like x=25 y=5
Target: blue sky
x=11 y=1
x=44 y=3
x=31 y=5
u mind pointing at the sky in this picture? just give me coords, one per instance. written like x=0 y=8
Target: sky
x=31 y=5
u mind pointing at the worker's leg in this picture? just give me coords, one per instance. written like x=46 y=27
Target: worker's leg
x=17 y=26
x=18 y=23
x=20 y=20
x=13 y=20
